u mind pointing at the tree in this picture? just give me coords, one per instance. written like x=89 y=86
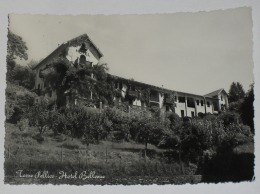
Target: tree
x=247 y=109
x=236 y=92
x=39 y=116
x=16 y=47
x=23 y=76
x=76 y=79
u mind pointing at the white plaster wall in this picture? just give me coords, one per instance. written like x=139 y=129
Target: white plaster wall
x=124 y=88
x=179 y=107
x=189 y=110
x=73 y=54
x=161 y=99
x=199 y=107
x=224 y=100
x=137 y=102
x=210 y=108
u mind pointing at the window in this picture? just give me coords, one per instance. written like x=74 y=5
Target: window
x=215 y=105
x=202 y=103
x=208 y=104
x=221 y=98
x=181 y=99
x=182 y=113
x=192 y=114
x=82 y=59
x=198 y=102
x=190 y=103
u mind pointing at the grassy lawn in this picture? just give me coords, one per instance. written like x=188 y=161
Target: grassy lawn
x=115 y=160
x=119 y=162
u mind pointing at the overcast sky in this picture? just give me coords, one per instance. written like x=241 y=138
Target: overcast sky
x=190 y=52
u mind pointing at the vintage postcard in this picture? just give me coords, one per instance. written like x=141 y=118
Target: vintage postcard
x=130 y=99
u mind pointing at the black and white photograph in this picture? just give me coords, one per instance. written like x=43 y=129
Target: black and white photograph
x=130 y=99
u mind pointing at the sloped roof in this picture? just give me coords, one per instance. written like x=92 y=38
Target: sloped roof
x=215 y=93
x=71 y=42
x=159 y=89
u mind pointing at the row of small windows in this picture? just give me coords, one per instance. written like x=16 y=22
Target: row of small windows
x=202 y=103
x=190 y=102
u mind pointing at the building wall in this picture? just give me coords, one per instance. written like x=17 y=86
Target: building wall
x=209 y=109
x=223 y=100
x=124 y=88
x=161 y=99
x=137 y=102
x=180 y=106
x=73 y=55
x=200 y=108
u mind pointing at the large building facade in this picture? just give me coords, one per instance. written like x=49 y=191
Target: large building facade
x=136 y=95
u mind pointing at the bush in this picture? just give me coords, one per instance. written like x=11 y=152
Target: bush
x=39 y=116
x=18 y=100
x=23 y=124
x=210 y=117
x=24 y=76
x=119 y=122
x=229 y=117
x=175 y=121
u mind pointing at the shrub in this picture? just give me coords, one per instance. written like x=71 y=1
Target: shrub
x=210 y=117
x=23 y=124
x=175 y=121
x=39 y=116
x=24 y=76
x=119 y=122
x=18 y=100
x=229 y=117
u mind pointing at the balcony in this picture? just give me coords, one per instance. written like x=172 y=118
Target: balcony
x=168 y=100
x=133 y=94
x=154 y=96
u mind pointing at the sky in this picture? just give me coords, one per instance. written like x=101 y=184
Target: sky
x=189 y=52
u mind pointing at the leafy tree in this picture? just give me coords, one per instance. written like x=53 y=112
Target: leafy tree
x=236 y=92
x=39 y=116
x=77 y=80
x=24 y=76
x=247 y=109
x=16 y=47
